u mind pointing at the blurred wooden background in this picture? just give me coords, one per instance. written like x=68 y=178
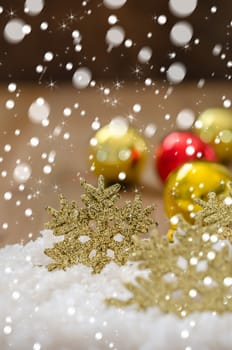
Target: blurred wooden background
x=69 y=136
x=138 y=18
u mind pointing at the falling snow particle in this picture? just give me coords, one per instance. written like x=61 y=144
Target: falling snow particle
x=227 y=103
x=137 y=108
x=182 y=8
x=128 y=43
x=112 y=19
x=115 y=37
x=44 y=26
x=144 y=54
x=162 y=19
x=38 y=110
x=7 y=196
x=13 y=31
x=81 y=78
x=10 y=104
x=122 y=176
x=47 y=169
x=7 y=148
x=98 y=336
x=39 y=69
x=7 y=330
x=181 y=33
x=185 y=119
x=28 y=212
x=69 y=66
x=176 y=72
x=213 y=9
x=148 y=81
x=95 y=124
x=184 y=334
x=217 y=49
x=12 y=87
x=114 y=4
x=22 y=173
x=5 y=226
x=34 y=141
x=48 y=56
x=67 y=112
x=37 y=346
x=118 y=126
x=150 y=130
x=33 y=7
x=26 y=29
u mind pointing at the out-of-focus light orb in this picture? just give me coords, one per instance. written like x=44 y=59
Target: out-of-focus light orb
x=144 y=54
x=22 y=173
x=114 y=4
x=114 y=37
x=181 y=33
x=14 y=31
x=33 y=7
x=182 y=8
x=214 y=126
x=39 y=110
x=176 y=72
x=118 y=152
x=81 y=78
x=178 y=148
x=194 y=180
x=185 y=119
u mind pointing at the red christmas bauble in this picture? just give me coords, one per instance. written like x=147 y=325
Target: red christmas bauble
x=178 y=148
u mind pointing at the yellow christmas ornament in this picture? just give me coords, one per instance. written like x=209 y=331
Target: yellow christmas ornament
x=118 y=152
x=214 y=126
x=191 y=181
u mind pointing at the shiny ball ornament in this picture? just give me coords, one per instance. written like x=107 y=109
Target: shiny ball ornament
x=214 y=126
x=178 y=148
x=194 y=180
x=118 y=152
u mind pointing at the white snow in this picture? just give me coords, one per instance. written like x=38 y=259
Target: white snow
x=65 y=310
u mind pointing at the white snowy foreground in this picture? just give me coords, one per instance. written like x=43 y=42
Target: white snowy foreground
x=65 y=310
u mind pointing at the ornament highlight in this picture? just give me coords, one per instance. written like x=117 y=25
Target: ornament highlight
x=193 y=180
x=214 y=126
x=118 y=152
x=178 y=148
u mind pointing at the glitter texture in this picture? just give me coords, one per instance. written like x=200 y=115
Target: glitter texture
x=217 y=212
x=90 y=233
x=175 y=283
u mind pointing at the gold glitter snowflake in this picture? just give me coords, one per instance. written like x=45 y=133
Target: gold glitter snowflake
x=192 y=274
x=217 y=211
x=99 y=232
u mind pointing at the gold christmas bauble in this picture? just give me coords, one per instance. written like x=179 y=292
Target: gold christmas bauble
x=214 y=126
x=193 y=180
x=118 y=152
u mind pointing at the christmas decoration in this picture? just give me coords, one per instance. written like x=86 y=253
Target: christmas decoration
x=190 y=181
x=217 y=212
x=193 y=274
x=118 y=152
x=194 y=180
x=214 y=126
x=98 y=233
x=178 y=148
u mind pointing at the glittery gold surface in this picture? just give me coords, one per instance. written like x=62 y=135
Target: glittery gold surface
x=99 y=232
x=217 y=212
x=192 y=274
